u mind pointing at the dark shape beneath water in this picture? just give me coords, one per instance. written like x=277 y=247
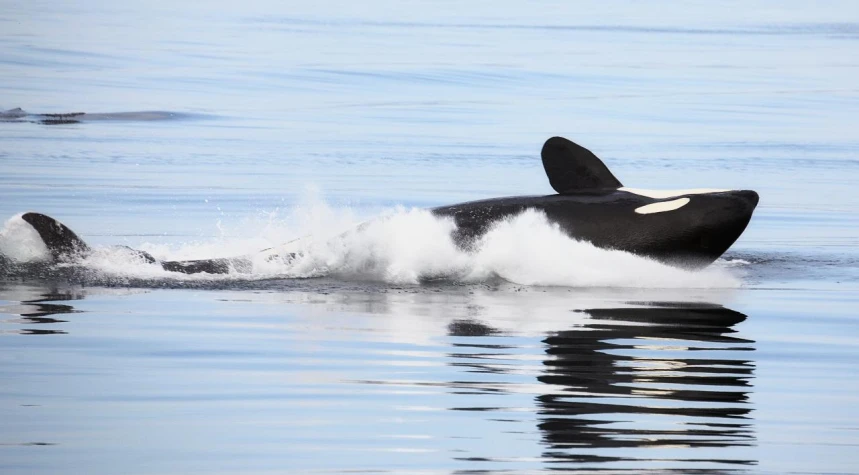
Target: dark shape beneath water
x=20 y=115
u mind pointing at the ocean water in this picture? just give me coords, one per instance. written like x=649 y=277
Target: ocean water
x=219 y=129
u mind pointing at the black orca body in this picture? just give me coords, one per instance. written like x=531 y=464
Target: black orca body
x=695 y=236
x=687 y=227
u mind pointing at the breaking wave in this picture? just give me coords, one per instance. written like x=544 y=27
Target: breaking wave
x=402 y=246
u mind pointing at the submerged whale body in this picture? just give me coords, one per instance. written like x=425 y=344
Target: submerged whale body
x=684 y=227
x=19 y=115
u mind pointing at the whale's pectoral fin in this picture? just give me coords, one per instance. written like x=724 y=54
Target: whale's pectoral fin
x=572 y=168
x=61 y=241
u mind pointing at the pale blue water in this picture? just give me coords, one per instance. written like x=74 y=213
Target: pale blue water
x=268 y=109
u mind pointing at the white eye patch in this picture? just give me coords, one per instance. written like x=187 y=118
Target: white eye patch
x=662 y=206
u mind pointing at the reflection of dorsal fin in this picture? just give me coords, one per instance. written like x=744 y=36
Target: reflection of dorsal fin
x=572 y=168
x=60 y=240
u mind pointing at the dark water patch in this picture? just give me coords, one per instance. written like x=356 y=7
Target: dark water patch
x=28 y=444
x=40 y=331
x=792 y=265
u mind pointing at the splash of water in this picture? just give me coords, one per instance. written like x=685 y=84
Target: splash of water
x=403 y=246
x=20 y=242
x=411 y=246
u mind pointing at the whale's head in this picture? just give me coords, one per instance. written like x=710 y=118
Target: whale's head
x=693 y=227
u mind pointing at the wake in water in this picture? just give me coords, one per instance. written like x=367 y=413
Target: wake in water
x=403 y=246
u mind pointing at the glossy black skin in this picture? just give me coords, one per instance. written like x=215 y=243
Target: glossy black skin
x=694 y=235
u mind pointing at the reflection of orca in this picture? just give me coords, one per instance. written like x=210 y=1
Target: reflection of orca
x=39 y=312
x=687 y=227
x=668 y=375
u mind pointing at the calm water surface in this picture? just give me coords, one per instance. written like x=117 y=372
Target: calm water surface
x=245 y=125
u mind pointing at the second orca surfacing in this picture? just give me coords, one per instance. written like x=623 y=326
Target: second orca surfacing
x=689 y=228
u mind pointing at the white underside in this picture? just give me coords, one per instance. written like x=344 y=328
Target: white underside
x=662 y=206
x=661 y=194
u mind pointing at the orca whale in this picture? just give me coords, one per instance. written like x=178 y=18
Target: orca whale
x=682 y=227
x=689 y=228
x=20 y=115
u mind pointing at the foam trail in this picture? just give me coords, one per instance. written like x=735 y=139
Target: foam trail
x=410 y=246
x=404 y=246
x=312 y=217
x=407 y=246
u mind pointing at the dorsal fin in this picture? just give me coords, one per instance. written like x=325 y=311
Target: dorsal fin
x=572 y=168
x=60 y=240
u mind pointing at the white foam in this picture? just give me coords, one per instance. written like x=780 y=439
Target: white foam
x=20 y=242
x=404 y=246
x=527 y=249
x=732 y=262
x=412 y=245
